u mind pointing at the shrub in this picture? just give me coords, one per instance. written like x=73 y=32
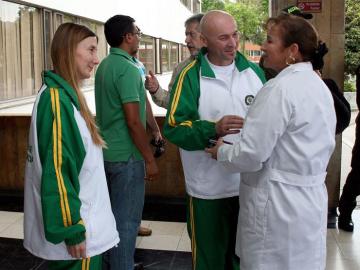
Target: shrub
x=349 y=86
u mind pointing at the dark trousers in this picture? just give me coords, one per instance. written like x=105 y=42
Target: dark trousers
x=350 y=192
x=351 y=189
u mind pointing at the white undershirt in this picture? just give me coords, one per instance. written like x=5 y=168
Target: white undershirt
x=223 y=73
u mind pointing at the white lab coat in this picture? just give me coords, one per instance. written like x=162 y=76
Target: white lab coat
x=285 y=147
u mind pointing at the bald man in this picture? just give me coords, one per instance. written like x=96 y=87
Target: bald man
x=220 y=81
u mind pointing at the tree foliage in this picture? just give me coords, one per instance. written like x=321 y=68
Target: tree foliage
x=207 y=5
x=352 y=35
x=249 y=20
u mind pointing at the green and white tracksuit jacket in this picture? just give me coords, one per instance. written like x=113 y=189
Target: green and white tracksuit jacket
x=66 y=195
x=199 y=99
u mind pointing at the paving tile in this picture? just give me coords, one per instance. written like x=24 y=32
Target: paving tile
x=167 y=228
x=7 y=217
x=13 y=231
x=160 y=242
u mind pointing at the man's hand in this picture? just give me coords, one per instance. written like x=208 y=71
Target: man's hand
x=77 y=251
x=157 y=135
x=151 y=83
x=151 y=170
x=229 y=124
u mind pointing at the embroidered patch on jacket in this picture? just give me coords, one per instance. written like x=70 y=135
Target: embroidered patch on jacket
x=249 y=99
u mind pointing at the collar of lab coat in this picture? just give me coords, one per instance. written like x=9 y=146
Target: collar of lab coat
x=295 y=68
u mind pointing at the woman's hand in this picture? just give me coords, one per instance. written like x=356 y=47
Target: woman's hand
x=229 y=124
x=77 y=251
x=213 y=150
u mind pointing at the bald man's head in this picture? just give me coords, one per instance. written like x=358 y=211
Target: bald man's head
x=220 y=36
x=213 y=19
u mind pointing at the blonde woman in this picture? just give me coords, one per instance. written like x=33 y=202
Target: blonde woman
x=67 y=214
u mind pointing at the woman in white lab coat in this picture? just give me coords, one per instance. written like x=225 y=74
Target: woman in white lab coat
x=285 y=146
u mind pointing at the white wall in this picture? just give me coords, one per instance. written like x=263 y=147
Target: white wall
x=158 y=18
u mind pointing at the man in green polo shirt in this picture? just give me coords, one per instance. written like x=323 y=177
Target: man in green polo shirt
x=121 y=115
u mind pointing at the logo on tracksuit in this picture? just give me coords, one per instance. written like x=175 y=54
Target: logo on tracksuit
x=249 y=99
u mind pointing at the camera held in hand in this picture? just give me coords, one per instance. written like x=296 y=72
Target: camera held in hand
x=159 y=147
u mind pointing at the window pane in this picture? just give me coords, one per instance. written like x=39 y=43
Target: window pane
x=184 y=52
x=186 y=3
x=89 y=24
x=174 y=55
x=102 y=45
x=69 y=18
x=48 y=35
x=196 y=6
x=58 y=19
x=147 y=52
x=165 y=56
x=20 y=50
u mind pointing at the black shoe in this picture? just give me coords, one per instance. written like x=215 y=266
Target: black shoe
x=138 y=266
x=345 y=224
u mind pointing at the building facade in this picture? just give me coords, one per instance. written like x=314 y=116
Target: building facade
x=27 y=28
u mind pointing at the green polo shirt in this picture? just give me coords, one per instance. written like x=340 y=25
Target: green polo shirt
x=117 y=82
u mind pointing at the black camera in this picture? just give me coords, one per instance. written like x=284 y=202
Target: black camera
x=159 y=147
x=211 y=143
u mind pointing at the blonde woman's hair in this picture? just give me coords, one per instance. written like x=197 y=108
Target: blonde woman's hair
x=63 y=48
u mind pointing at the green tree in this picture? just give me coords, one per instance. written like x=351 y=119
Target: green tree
x=265 y=6
x=352 y=35
x=207 y=5
x=249 y=19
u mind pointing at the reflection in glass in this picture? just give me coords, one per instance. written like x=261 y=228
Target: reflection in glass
x=165 y=56
x=147 y=52
x=21 y=52
x=169 y=55
x=174 y=55
x=184 y=52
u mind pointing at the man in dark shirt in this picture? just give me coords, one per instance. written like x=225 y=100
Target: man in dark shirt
x=352 y=186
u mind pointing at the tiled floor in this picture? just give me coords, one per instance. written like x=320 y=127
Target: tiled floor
x=165 y=236
x=168 y=247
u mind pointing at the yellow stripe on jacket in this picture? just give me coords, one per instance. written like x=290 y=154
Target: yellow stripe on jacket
x=85 y=264
x=177 y=93
x=57 y=149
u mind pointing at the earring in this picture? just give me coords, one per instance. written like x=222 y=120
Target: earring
x=293 y=61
